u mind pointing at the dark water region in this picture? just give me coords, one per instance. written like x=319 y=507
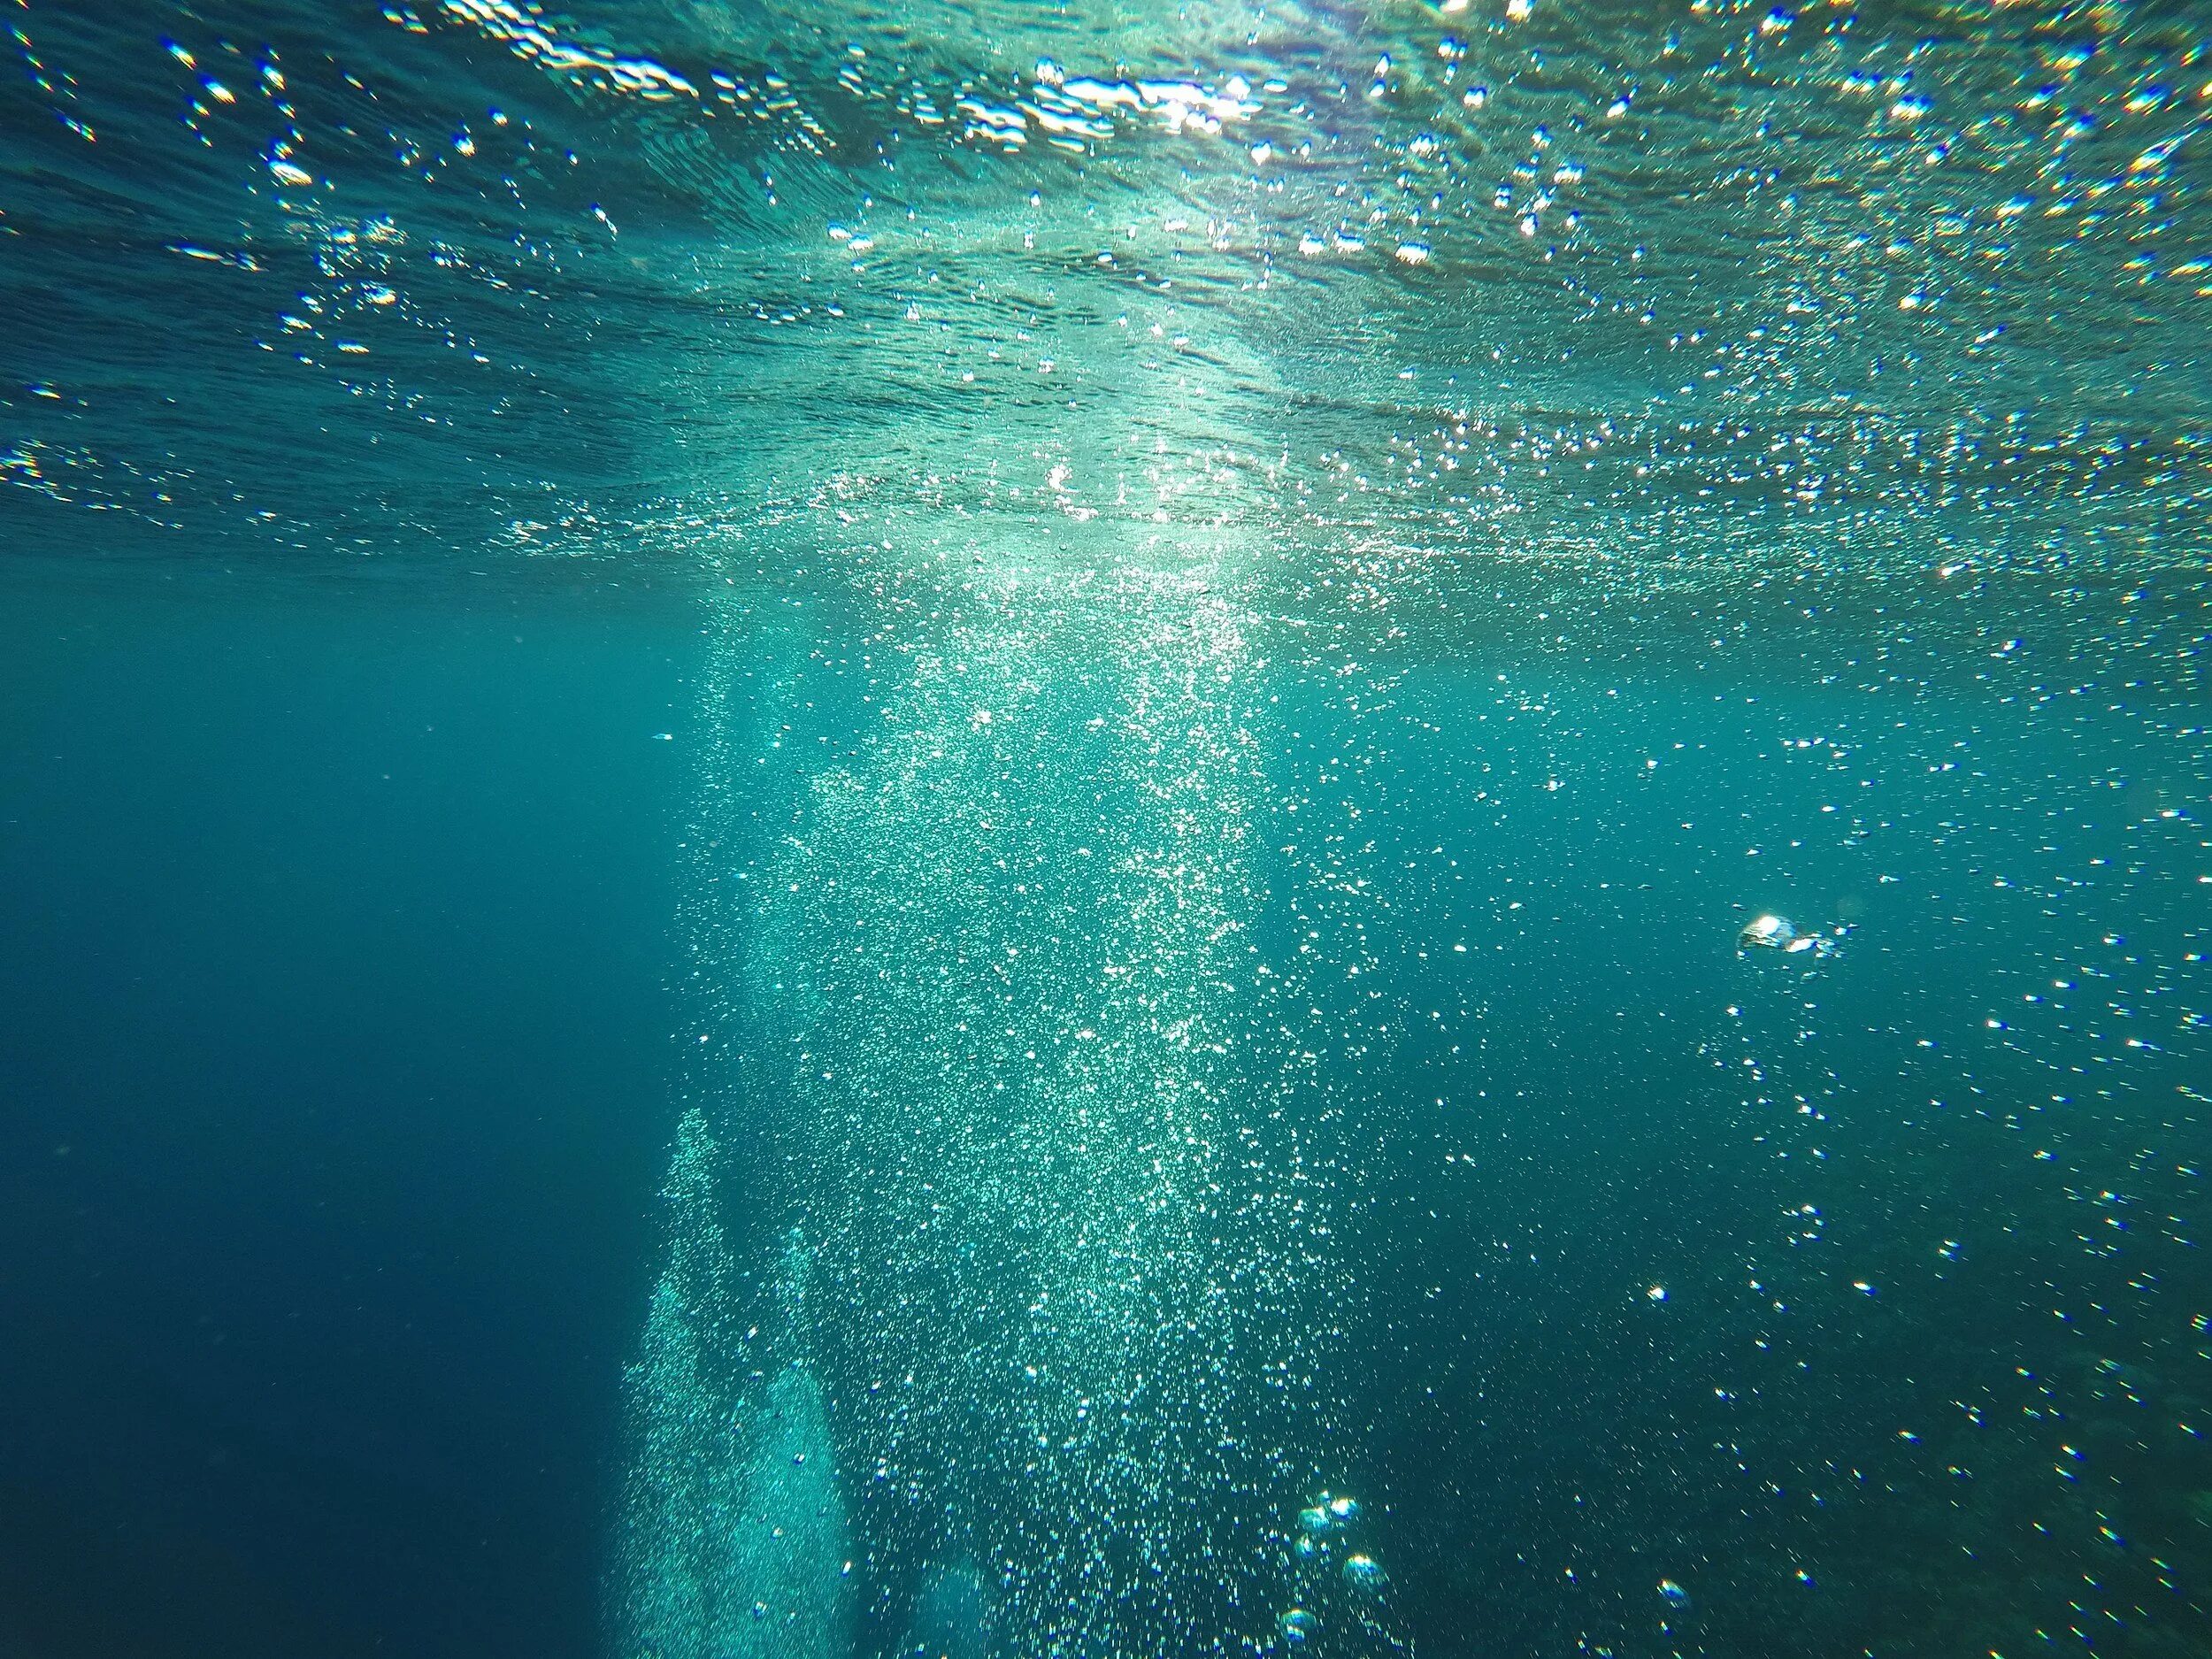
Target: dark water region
x=934 y=829
x=334 y=941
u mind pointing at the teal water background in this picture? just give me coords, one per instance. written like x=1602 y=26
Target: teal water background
x=323 y=1092
x=856 y=832
x=342 y=927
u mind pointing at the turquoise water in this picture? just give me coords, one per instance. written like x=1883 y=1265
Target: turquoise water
x=1105 y=831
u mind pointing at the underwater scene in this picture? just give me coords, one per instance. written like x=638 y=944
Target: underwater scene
x=1110 y=829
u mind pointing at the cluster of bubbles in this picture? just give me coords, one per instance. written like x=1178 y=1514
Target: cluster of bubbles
x=1779 y=934
x=1340 y=1582
x=733 y=1535
x=1075 y=1259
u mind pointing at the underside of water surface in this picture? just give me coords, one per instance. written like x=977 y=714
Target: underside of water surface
x=1434 y=824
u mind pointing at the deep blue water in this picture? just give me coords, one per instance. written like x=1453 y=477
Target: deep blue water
x=335 y=1063
x=934 y=829
x=339 y=1061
